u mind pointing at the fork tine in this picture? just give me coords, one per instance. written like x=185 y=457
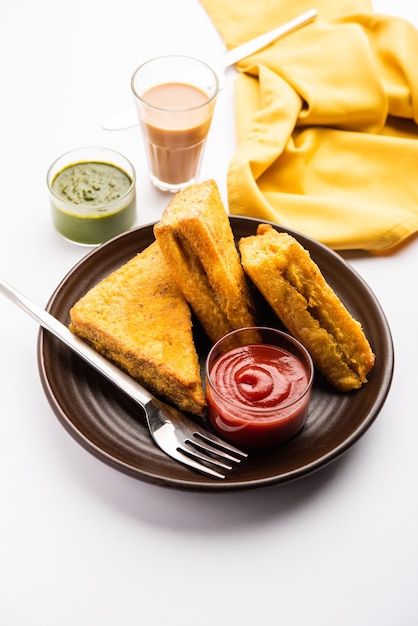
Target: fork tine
x=200 y=457
x=206 y=445
x=198 y=460
x=221 y=447
x=187 y=458
x=204 y=453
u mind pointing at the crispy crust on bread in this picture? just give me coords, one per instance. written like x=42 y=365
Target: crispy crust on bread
x=138 y=318
x=196 y=239
x=294 y=286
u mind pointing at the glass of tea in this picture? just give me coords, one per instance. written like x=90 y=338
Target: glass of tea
x=175 y=98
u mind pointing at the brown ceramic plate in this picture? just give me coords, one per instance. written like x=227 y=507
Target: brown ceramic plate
x=112 y=427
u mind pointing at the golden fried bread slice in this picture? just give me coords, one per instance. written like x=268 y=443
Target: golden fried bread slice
x=138 y=318
x=294 y=286
x=196 y=239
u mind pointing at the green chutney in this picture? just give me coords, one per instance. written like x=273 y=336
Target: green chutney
x=92 y=202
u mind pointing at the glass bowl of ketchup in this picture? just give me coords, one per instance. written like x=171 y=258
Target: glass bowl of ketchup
x=258 y=386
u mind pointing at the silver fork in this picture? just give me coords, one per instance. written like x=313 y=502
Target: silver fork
x=178 y=436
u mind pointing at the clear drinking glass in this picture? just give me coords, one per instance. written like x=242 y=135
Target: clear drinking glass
x=175 y=98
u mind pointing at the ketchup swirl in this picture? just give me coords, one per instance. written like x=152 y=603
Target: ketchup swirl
x=260 y=376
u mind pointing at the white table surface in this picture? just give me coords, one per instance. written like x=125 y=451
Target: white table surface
x=83 y=544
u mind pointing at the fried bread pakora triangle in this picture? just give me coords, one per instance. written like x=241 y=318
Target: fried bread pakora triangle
x=295 y=288
x=196 y=239
x=138 y=318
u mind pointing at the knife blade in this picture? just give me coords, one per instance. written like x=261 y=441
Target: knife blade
x=258 y=43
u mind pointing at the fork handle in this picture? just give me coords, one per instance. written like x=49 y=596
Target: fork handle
x=124 y=382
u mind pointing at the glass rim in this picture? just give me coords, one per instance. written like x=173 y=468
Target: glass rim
x=309 y=366
x=51 y=175
x=184 y=109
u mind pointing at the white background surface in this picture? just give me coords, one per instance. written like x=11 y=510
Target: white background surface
x=83 y=544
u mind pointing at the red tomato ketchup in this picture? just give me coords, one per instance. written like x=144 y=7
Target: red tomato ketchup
x=258 y=393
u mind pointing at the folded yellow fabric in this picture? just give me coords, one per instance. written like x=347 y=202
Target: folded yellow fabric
x=326 y=121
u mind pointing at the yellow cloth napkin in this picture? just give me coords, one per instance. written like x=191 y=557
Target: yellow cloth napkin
x=326 y=121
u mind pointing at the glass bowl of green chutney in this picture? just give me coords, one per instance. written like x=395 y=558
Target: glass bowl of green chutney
x=92 y=193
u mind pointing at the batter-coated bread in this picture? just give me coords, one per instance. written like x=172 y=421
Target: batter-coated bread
x=196 y=239
x=138 y=318
x=294 y=286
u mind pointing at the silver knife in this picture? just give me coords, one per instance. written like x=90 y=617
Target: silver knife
x=128 y=117
x=258 y=43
